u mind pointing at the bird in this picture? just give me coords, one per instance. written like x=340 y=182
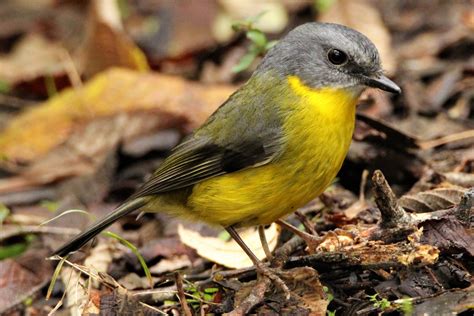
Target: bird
x=274 y=145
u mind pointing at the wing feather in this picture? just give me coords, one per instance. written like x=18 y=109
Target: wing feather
x=198 y=159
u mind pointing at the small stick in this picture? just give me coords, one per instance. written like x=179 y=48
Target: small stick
x=428 y=144
x=306 y=223
x=463 y=210
x=392 y=214
x=256 y=296
x=363 y=183
x=181 y=295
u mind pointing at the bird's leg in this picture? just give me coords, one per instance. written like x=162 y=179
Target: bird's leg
x=263 y=240
x=312 y=241
x=259 y=266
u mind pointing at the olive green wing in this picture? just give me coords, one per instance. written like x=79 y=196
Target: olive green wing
x=198 y=159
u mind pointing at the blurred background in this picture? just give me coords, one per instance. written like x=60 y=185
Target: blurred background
x=94 y=94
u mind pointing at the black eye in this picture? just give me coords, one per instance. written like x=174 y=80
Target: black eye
x=337 y=57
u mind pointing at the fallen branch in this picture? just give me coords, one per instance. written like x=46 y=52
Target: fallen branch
x=255 y=297
x=371 y=255
x=392 y=214
x=182 y=295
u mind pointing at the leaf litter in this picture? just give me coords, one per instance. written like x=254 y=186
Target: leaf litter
x=411 y=236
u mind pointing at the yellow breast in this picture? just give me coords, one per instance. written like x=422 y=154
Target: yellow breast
x=318 y=125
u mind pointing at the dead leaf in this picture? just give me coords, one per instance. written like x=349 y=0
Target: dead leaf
x=22 y=278
x=448 y=235
x=350 y=13
x=167 y=101
x=133 y=281
x=106 y=44
x=309 y=288
x=174 y=29
x=172 y=264
x=432 y=200
x=229 y=253
x=120 y=302
x=456 y=302
x=42 y=56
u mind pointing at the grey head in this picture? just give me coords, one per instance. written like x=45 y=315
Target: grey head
x=328 y=55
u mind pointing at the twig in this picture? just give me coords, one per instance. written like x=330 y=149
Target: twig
x=30 y=229
x=373 y=255
x=256 y=296
x=463 y=210
x=306 y=223
x=182 y=295
x=427 y=144
x=393 y=214
x=282 y=253
x=363 y=183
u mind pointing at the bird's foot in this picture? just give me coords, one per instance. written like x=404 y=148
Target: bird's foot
x=274 y=275
x=312 y=241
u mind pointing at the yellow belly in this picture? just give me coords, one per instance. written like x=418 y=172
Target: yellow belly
x=319 y=126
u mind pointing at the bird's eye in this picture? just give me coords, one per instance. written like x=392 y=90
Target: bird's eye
x=337 y=57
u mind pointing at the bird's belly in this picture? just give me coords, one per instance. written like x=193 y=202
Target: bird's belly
x=264 y=194
x=318 y=128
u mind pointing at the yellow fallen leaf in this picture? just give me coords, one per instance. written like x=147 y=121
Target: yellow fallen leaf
x=106 y=44
x=169 y=100
x=229 y=253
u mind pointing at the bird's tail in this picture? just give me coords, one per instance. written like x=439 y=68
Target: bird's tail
x=81 y=239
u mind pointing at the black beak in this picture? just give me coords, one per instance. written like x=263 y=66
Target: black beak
x=383 y=83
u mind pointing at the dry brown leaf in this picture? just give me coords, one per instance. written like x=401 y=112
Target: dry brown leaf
x=448 y=235
x=172 y=264
x=22 y=278
x=174 y=29
x=41 y=56
x=363 y=17
x=229 y=253
x=106 y=44
x=432 y=200
x=166 y=100
x=309 y=288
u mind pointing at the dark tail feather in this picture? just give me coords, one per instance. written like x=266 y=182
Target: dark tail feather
x=81 y=239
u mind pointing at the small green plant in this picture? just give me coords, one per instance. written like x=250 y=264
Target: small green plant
x=51 y=206
x=197 y=296
x=17 y=248
x=330 y=298
x=259 y=43
x=4 y=212
x=323 y=5
x=5 y=86
x=65 y=213
x=55 y=277
x=135 y=251
x=405 y=305
x=50 y=85
x=382 y=304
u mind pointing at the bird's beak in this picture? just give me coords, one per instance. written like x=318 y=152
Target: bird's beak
x=383 y=83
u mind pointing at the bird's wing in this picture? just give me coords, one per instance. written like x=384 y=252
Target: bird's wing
x=198 y=159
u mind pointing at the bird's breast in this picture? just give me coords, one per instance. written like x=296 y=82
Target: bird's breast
x=319 y=129
x=318 y=126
